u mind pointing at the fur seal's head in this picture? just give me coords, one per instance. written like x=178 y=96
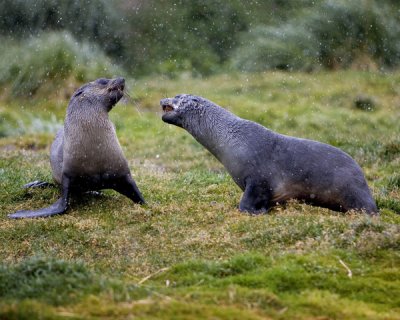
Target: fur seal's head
x=177 y=109
x=103 y=92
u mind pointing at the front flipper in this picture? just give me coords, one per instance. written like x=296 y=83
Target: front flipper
x=254 y=199
x=127 y=186
x=59 y=207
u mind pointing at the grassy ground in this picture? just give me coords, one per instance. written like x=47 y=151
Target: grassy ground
x=189 y=253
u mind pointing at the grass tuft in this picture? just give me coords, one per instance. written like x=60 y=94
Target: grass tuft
x=49 y=280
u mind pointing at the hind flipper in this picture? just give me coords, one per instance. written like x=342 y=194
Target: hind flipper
x=38 y=184
x=59 y=207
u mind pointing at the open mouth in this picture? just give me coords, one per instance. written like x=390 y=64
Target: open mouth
x=167 y=108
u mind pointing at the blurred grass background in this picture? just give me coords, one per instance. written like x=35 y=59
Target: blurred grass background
x=200 y=37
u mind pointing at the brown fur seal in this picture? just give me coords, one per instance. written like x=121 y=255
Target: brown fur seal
x=86 y=154
x=270 y=167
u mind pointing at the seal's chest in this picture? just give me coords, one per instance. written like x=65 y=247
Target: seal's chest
x=90 y=153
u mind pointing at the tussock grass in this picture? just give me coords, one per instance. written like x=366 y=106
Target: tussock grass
x=52 y=280
x=329 y=34
x=45 y=63
x=200 y=257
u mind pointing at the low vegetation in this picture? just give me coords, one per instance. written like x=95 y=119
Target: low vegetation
x=46 y=63
x=204 y=37
x=189 y=253
x=329 y=35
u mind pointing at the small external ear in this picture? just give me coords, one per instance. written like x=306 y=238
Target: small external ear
x=78 y=93
x=102 y=81
x=80 y=90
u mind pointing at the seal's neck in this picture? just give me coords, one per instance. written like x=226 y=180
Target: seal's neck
x=212 y=126
x=86 y=121
x=86 y=114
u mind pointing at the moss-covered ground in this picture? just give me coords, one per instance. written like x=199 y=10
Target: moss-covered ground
x=189 y=253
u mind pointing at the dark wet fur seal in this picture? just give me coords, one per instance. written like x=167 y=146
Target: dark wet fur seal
x=270 y=167
x=86 y=154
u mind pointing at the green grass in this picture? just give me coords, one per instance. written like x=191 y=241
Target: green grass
x=189 y=253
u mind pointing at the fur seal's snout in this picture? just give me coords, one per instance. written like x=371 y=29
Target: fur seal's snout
x=177 y=109
x=270 y=167
x=115 y=89
x=117 y=84
x=170 y=112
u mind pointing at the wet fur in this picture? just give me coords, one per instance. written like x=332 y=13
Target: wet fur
x=270 y=167
x=86 y=154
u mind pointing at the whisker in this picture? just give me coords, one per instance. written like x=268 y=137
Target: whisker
x=133 y=101
x=128 y=95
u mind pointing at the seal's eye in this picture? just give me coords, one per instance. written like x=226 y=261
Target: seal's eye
x=102 y=81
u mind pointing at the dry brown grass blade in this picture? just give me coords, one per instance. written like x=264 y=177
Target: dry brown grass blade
x=152 y=275
x=349 y=273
